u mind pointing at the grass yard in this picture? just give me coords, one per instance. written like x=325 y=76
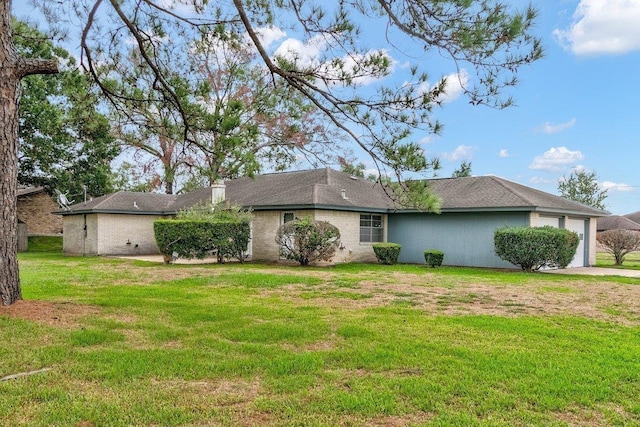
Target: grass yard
x=141 y=344
x=631 y=261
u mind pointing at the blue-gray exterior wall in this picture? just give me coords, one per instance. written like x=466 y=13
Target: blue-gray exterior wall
x=465 y=238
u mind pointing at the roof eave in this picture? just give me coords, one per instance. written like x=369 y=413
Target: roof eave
x=318 y=206
x=112 y=211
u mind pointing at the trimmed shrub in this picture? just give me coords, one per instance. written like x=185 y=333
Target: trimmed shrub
x=387 y=253
x=197 y=239
x=306 y=240
x=568 y=247
x=433 y=257
x=532 y=248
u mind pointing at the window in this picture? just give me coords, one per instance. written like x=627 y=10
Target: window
x=288 y=217
x=370 y=228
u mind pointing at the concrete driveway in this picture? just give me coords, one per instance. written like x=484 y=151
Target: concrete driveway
x=596 y=271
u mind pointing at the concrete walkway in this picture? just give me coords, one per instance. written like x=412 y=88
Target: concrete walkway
x=160 y=259
x=596 y=271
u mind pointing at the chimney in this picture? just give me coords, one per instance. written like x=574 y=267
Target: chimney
x=218 y=192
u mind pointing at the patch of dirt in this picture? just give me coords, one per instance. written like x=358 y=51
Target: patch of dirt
x=61 y=314
x=608 y=301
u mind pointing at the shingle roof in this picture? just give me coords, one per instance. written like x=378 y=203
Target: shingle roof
x=617 y=222
x=494 y=193
x=127 y=202
x=23 y=190
x=635 y=217
x=323 y=188
x=318 y=187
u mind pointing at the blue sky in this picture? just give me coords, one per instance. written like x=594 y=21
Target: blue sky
x=575 y=108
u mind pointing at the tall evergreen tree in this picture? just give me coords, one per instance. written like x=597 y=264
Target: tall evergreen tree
x=488 y=37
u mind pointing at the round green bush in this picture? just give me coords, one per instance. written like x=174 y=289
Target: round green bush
x=387 y=253
x=433 y=257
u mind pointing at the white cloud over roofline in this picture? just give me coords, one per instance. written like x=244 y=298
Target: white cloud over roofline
x=602 y=27
x=556 y=159
x=462 y=152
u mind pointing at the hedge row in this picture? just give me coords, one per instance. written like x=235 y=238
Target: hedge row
x=197 y=239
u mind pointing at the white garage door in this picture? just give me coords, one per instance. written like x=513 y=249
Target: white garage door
x=548 y=220
x=579 y=226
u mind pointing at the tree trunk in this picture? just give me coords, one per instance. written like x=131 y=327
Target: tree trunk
x=12 y=69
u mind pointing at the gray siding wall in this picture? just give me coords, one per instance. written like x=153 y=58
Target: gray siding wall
x=465 y=238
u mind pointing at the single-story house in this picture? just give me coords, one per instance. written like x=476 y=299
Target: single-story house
x=473 y=207
x=35 y=209
x=616 y=222
x=635 y=216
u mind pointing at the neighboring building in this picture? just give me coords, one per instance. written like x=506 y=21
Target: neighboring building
x=617 y=222
x=35 y=208
x=473 y=207
x=635 y=217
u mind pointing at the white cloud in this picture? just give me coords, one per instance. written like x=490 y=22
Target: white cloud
x=461 y=152
x=304 y=54
x=550 y=128
x=311 y=55
x=454 y=87
x=602 y=27
x=363 y=76
x=612 y=186
x=270 y=35
x=428 y=139
x=556 y=159
x=504 y=153
x=540 y=180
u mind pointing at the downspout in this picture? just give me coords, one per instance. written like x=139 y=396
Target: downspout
x=84 y=231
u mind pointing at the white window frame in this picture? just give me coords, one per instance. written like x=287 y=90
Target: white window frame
x=369 y=229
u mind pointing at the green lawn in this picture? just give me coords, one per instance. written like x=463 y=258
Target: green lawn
x=142 y=344
x=631 y=261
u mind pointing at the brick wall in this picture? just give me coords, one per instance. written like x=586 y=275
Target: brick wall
x=263 y=234
x=35 y=210
x=126 y=234
x=109 y=234
x=265 y=225
x=351 y=250
x=73 y=235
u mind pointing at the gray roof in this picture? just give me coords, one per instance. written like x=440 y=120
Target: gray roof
x=312 y=188
x=24 y=190
x=126 y=202
x=635 y=217
x=490 y=193
x=617 y=222
x=323 y=188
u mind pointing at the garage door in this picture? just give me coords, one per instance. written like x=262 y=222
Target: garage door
x=579 y=226
x=553 y=221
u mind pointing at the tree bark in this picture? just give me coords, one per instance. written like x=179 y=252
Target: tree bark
x=12 y=69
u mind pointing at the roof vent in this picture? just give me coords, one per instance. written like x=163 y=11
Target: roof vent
x=135 y=204
x=353 y=177
x=343 y=193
